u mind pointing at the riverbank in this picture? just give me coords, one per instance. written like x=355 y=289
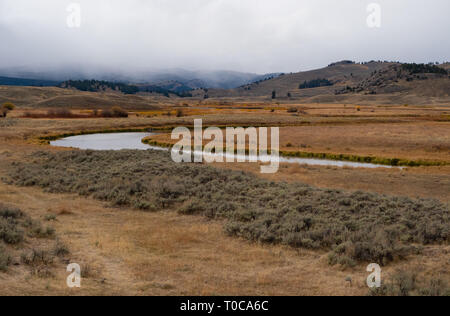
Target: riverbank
x=394 y=162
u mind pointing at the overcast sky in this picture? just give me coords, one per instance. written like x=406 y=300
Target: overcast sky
x=245 y=35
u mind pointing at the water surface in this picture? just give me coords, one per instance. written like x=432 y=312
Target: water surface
x=113 y=141
x=133 y=141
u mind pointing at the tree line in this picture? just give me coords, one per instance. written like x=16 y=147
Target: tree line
x=97 y=86
x=315 y=84
x=424 y=68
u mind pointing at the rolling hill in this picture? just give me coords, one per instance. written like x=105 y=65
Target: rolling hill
x=347 y=82
x=53 y=97
x=341 y=82
x=425 y=80
x=341 y=74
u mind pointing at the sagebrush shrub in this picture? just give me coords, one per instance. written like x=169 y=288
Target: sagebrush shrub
x=37 y=257
x=355 y=226
x=409 y=283
x=10 y=231
x=60 y=249
x=15 y=227
x=5 y=259
x=10 y=212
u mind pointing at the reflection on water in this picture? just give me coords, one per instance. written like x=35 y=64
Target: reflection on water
x=120 y=141
x=114 y=141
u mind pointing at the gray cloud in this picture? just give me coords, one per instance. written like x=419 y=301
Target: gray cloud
x=243 y=35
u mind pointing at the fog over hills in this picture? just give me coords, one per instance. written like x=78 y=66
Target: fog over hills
x=211 y=44
x=336 y=82
x=253 y=36
x=190 y=79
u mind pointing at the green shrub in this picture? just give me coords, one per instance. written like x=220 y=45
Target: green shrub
x=144 y=206
x=10 y=232
x=14 y=227
x=50 y=217
x=37 y=257
x=180 y=113
x=119 y=112
x=10 y=212
x=61 y=249
x=5 y=259
x=193 y=207
x=5 y=108
x=35 y=229
x=409 y=283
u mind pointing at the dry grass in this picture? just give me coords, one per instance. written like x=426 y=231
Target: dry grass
x=414 y=141
x=135 y=253
x=407 y=143
x=27 y=244
x=128 y=252
x=50 y=97
x=68 y=114
x=422 y=182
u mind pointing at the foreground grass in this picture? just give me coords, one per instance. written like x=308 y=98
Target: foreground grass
x=354 y=227
x=17 y=234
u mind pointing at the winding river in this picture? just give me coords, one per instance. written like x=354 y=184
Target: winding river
x=133 y=141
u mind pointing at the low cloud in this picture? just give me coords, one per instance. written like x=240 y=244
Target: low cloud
x=245 y=35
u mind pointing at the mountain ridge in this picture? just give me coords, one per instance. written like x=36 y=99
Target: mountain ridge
x=219 y=79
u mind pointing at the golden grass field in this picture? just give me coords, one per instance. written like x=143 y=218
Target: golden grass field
x=129 y=252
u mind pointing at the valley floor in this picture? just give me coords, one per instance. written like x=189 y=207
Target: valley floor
x=129 y=252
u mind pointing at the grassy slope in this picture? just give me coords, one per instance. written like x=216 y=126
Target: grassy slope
x=418 y=92
x=50 y=97
x=290 y=82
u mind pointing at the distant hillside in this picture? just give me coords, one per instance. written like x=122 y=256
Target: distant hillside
x=402 y=78
x=166 y=90
x=174 y=86
x=7 y=81
x=205 y=79
x=346 y=82
x=99 y=86
x=53 y=97
x=216 y=79
x=108 y=86
x=378 y=82
x=339 y=74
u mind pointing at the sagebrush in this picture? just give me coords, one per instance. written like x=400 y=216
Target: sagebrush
x=15 y=227
x=354 y=226
x=409 y=283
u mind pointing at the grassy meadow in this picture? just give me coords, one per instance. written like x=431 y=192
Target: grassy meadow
x=140 y=224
